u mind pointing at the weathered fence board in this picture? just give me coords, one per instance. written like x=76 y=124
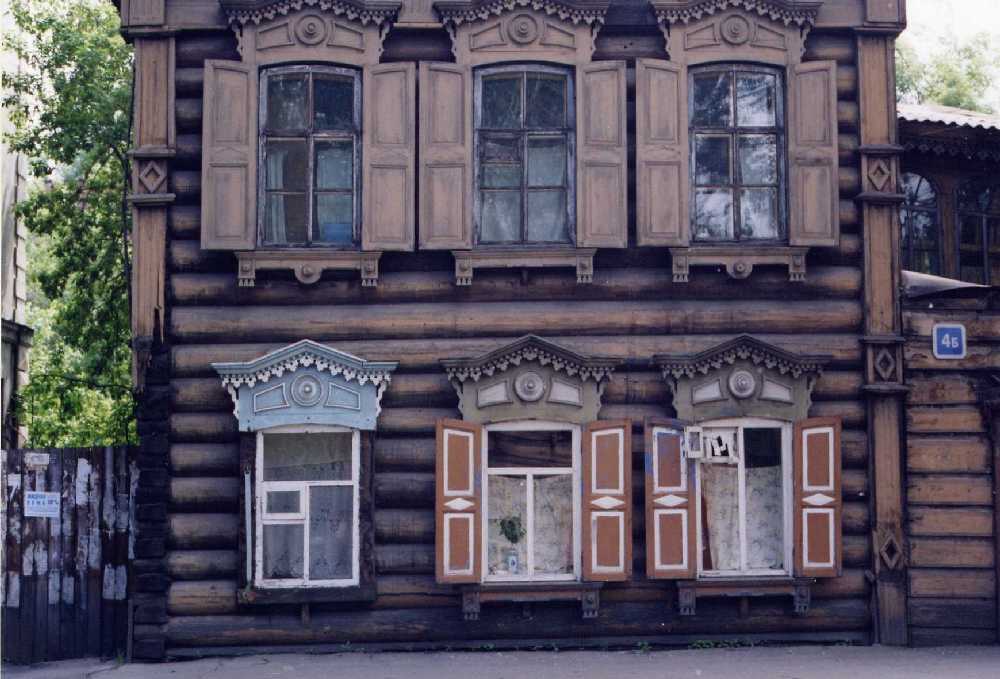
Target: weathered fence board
x=65 y=579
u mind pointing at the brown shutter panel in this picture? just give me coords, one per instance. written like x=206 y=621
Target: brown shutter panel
x=229 y=163
x=661 y=153
x=458 y=503
x=814 y=217
x=602 y=156
x=388 y=154
x=607 y=500
x=818 y=501
x=445 y=156
x=670 y=503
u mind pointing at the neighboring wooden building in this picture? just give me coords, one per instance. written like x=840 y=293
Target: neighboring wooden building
x=544 y=322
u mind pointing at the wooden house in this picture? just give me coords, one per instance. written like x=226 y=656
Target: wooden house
x=516 y=323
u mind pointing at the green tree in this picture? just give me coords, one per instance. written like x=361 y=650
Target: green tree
x=952 y=73
x=70 y=104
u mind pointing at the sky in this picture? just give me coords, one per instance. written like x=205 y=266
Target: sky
x=928 y=19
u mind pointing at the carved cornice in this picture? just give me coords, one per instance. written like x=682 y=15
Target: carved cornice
x=529 y=348
x=799 y=12
x=742 y=348
x=256 y=11
x=457 y=12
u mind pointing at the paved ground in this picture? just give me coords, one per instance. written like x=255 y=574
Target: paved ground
x=801 y=662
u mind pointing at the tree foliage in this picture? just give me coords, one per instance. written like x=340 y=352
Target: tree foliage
x=950 y=72
x=70 y=104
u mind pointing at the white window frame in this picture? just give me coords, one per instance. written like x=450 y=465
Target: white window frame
x=528 y=473
x=787 y=498
x=261 y=488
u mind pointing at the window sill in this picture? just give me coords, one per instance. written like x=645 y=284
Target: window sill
x=527 y=593
x=308 y=265
x=739 y=260
x=467 y=261
x=688 y=591
x=307 y=595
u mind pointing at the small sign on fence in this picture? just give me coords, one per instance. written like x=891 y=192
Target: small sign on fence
x=38 y=503
x=36 y=459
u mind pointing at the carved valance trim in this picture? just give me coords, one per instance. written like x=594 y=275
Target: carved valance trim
x=799 y=12
x=530 y=348
x=256 y=11
x=469 y=11
x=744 y=348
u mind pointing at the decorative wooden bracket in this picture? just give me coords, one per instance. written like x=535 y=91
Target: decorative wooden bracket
x=467 y=261
x=799 y=589
x=587 y=593
x=308 y=265
x=739 y=260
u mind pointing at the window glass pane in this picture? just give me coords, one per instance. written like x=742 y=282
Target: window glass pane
x=972 y=230
x=924 y=261
x=283 y=551
x=530 y=449
x=334 y=218
x=546 y=100
x=711 y=159
x=553 y=524
x=547 y=217
x=287 y=165
x=331 y=532
x=508 y=526
x=501 y=101
x=334 y=102
x=721 y=524
x=501 y=216
x=308 y=457
x=918 y=190
x=974 y=195
x=758 y=213
x=765 y=498
x=285 y=218
x=713 y=214
x=712 y=97
x=756 y=100
x=283 y=502
x=335 y=165
x=993 y=226
x=500 y=148
x=546 y=161
x=501 y=176
x=286 y=103
x=921 y=229
x=758 y=159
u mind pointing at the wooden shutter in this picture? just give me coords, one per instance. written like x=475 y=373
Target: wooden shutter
x=445 y=156
x=607 y=500
x=818 y=502
x=229 y=163
x=661 y=123
x=602 y=156
x=814 y=184
x=458 y=502
x=670 y=503
x=388 y=154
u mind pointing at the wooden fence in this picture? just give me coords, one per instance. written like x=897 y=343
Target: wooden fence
x=65 y=576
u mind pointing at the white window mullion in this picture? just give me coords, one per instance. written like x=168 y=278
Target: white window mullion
x=529 y=510
x=741 y=487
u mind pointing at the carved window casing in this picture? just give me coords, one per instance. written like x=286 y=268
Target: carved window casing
x=803 y=189
x=240 y=181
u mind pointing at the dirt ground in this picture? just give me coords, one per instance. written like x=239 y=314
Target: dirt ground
x=800 y=662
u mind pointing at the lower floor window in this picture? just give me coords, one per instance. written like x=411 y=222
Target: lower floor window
x=532 y=520
x=744 y=490
x=307 y=507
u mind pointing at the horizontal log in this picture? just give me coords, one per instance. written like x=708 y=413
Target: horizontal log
x=847 y=81
x=404 y=559
x=951 y=552
x=962 y=454
x=857 y=551
x=205 y=493
x=188 y=115
x=185 y=222
x=979 y=326
x=201 y=564
x=190 y=80
x=826 y=47
x=201 y=597
x=848 y=118
x=188 y=151
x=186 y=185
x=922 y=637
x=958 y=613
x=939 y=390
x=952 y=583
x=193 y=49
x=919 y=356
x=202 y=531
x=205 y=459
x=944 y=420
x=951 y=521
x=940 y=489
x=427 y=625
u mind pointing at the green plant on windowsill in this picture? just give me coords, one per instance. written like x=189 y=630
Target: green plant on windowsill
x=512 y=529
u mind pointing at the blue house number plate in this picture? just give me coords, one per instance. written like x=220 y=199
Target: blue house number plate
x=949 y=341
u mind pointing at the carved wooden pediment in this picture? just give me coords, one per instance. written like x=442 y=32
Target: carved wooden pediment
x=306 y=383
x=743 y=377
x=529 y=379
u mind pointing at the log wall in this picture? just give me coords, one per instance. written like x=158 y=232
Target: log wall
x=951 y=486
x=417 y=316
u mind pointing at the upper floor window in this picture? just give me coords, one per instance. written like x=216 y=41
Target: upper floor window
x=737 y=150
x=918 y=217
x=979 y=231
x=524 y=148
x=309 y=156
